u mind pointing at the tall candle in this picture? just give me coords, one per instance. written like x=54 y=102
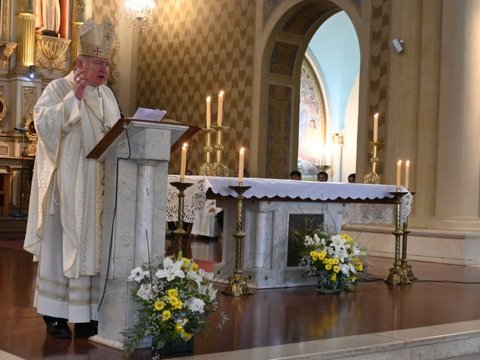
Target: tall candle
x=209 y=111
x=183 y=161
x=407 y=173
x=375 y=127
x=220 y=108
x=241 y=164
x=399 y=173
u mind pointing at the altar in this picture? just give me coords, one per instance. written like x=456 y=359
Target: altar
x=273 y=209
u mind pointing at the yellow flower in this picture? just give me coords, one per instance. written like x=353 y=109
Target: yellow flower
x=322 y=255
x=175 y=302
x=336 y=261
x=313 y=255
x=346 y=237
x=359 y=267
x=195 y=267
x=166 y=315
x=159 y=305
x=328 y=267
x=336 y=268
x=333 y=277
x=172 y=293
x=179 y=328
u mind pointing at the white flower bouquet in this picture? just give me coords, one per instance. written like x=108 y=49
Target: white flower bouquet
x=336 y=260
x=175 y=296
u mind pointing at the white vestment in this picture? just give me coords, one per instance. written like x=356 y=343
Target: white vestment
x=63 y=229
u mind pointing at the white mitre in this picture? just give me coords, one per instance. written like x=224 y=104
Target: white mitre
x=97 y=39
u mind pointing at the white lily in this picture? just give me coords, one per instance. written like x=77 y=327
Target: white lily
x=170 y=270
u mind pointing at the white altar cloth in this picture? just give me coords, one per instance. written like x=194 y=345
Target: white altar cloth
x=366 y=201
x=269 y=206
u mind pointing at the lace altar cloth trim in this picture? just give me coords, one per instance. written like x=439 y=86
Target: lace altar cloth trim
x=357 y=213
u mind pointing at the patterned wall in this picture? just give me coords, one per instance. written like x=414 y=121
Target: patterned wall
x=379 y=66
x=194 y=49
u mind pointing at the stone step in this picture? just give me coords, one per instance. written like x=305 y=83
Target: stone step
x=460 y=341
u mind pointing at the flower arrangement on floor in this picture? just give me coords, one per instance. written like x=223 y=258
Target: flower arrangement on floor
x=175 y=296
x=335 y=259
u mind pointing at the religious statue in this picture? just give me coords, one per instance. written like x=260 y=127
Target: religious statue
x=48 y=17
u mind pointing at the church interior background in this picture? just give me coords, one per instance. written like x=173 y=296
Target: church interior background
x=293 y=72
x=277 y=63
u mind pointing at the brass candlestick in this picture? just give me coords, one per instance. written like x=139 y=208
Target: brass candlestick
x=397 y=275
x=180 y=232
x=219 y=169
x=207 y=167
x=407 y=268
x=237 y=283
x=372 y=177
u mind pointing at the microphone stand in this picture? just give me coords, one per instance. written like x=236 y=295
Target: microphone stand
x=19 y=214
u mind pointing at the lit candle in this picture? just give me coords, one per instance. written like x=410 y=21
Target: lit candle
x=407 y=172
x=399 y=173
x=183 y=161
x=209 y=111
x=241 y=165
x=220 y=108
x=375 y=127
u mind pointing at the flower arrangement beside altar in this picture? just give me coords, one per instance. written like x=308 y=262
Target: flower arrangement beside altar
x=175 y=296
x=335 y=259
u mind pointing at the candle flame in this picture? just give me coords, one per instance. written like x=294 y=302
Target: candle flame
x=209 y=98
x=221 y=93
x=185 y=145
x=242 y=150
x=399 y=162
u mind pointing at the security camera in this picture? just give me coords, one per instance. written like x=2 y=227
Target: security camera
x=398 y=45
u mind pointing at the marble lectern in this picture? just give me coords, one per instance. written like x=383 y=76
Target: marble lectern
x=136 y=155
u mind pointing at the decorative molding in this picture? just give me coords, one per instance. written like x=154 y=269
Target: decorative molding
x=6 y=51
x=3 y=107
x=29 y=99
x=51 y=53
x=31 y=135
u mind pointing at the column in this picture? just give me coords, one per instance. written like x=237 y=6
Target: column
x=26 y=33
x=82 y=11
x=458 y=168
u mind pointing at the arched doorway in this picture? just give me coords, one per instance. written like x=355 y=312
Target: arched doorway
x=283 y=52
x=328 y=117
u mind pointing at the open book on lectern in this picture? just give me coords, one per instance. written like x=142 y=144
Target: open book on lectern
x=180 y=132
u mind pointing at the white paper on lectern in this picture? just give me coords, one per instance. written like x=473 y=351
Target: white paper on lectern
x=149 y=114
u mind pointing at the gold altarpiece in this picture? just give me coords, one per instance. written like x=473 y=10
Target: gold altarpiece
x=31 y=55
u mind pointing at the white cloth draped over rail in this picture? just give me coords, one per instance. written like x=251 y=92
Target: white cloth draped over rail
x=366 y=202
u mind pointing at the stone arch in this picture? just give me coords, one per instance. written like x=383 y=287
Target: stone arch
x=287 y=31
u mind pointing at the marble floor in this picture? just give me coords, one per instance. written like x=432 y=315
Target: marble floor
x=273 y=323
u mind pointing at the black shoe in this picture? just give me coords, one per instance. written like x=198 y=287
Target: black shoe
x=86 y=329
x=59 y=329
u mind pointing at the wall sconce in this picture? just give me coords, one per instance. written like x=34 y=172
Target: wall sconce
x=140 y=10
x=31 y=71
